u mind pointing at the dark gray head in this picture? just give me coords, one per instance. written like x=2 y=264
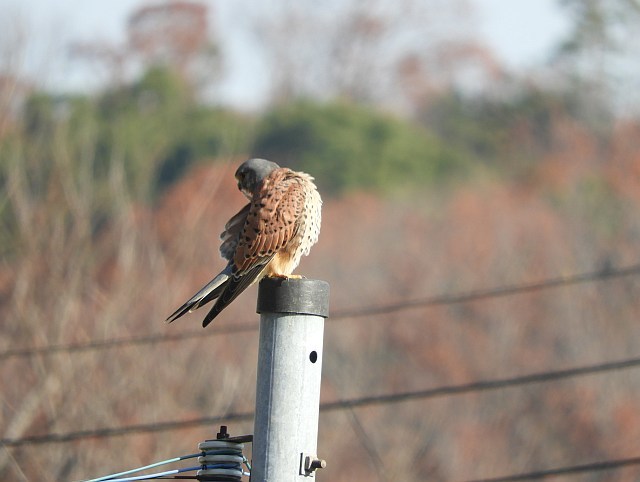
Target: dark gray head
x=251 y=173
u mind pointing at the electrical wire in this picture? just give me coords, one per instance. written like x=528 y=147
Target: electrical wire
x=118 y=477
x=481 y=386
x=477 y=295
x=353 y=403
x=127 y=341
x=158 y=474
x=482 y=294
x=367 y=444
x=125 y=430
x=442 y=391
x=571 y=470
x=146 y=467
x=162 y=475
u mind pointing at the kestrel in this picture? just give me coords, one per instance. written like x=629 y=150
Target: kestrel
x=267 y=237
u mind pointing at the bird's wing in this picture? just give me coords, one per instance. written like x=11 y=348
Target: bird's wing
x=231 y=233
x=212 y=290
x=272 y=221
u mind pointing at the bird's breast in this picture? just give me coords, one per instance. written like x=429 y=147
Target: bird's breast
x=282 y=264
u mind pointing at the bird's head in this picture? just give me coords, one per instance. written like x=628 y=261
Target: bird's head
x=251 y=173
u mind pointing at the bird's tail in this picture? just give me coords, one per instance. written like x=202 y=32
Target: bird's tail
x=209 y=292
x=233 y=287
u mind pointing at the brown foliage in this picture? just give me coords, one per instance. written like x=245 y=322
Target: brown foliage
x=575 y=211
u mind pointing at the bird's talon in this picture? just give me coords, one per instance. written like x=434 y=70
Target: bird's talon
x=285 y=276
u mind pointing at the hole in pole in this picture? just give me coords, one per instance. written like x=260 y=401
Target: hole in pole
x=313 y=356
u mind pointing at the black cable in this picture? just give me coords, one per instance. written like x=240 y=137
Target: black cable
x=448 y=390
x=126 y=430
x=571 y=470
x=480 y=386
x=129 y=341
x=338 y=314
x=604 y=274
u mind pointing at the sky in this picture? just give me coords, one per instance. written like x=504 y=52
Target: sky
x=519 y=32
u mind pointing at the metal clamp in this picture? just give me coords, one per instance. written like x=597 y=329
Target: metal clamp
x=310 y=463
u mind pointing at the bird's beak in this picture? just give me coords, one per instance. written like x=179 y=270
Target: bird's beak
x=246 y=192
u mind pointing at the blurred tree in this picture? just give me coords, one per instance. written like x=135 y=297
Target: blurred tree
x=503 y=133
x=171 y=35
x=362 y=51
x=464 y=66
x=139 y=137
x=15 y=87
x=601 y=52
x=175 y=35
x=347 y=146
x=157 y=130
x=598 y=25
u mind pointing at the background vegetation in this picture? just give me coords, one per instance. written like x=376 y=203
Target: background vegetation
x=111 y=204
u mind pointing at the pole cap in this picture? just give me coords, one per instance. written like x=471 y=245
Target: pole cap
x=298 y=296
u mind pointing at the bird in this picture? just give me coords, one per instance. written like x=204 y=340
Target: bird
x=267 y=237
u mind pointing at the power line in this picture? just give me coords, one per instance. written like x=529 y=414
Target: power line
x=465 y=297
x=480 y=386
x=128 y=341
x=126 y=430
x=443 y=391
x=571 y=470
x=604 y=274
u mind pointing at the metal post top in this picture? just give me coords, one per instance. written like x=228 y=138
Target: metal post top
x=298 y=296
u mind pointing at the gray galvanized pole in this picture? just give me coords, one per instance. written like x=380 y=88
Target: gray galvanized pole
x=285 y=432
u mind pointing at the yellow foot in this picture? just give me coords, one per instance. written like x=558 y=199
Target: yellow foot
x=286 y=276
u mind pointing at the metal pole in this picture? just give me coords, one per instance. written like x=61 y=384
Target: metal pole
x=285 y=432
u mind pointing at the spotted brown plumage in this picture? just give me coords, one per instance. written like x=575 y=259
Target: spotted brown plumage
x=267 y=237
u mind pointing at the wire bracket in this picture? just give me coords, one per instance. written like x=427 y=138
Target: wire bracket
x=310 y=463
x=222 y=458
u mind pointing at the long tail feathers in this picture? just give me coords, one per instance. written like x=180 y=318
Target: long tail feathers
x=210 y=292
x=233 y=287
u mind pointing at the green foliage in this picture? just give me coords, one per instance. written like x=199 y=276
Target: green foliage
x=347 y=146
x=598 y=24
x=207 y=132
x=152 y=131
x=467 y=124
x=503 y=134
x=157 y=131
x=88 y=154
